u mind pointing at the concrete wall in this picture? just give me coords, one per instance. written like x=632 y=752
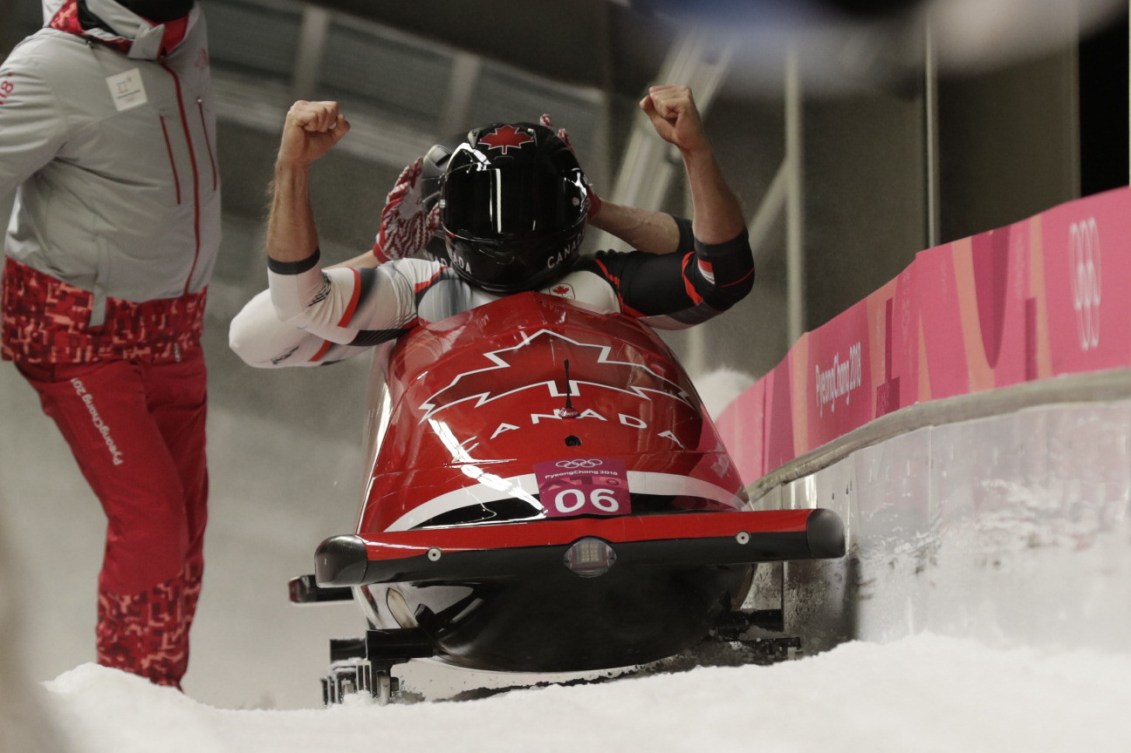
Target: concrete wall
x=1012 y=529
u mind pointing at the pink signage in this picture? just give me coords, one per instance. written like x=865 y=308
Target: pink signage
x=839 y=376
x=741 y=426
x=941 y=366
x=1036 y=299
x=893 y=338
x=781 y=446
x=1087 y=268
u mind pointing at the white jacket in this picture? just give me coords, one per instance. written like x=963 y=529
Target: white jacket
x=113 y=149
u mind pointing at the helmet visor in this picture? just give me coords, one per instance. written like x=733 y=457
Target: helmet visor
x=515 y=202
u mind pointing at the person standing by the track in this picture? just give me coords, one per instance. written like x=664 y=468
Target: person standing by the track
x=108 y=137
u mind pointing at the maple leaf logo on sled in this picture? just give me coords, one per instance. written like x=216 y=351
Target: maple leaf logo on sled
x=506 y=137
x=480 y=385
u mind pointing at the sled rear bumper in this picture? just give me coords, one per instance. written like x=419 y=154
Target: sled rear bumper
x=511 y=550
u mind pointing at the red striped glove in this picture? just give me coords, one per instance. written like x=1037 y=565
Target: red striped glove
x=406 y=224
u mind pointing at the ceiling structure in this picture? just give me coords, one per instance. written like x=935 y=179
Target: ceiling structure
x=412 y=78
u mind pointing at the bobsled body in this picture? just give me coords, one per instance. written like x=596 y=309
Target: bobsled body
x=547 y=493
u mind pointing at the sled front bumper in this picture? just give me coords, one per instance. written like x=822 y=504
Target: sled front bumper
x=510 y=550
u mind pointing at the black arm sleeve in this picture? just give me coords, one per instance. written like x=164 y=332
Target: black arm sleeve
x=690 y=286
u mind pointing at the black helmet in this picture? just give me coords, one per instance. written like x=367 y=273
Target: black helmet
x=512 y=207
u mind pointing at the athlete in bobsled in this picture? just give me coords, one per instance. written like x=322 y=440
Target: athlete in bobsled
x=545 y=491
x=513 y=205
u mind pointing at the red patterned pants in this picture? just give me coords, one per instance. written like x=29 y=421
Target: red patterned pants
x=137 y=432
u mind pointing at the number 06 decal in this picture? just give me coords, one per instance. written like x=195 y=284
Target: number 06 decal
x=571 y=501
x=583 y=486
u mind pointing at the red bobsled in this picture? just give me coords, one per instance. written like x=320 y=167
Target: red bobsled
x=546 y=494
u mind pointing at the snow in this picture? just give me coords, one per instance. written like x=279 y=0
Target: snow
x=924 y=693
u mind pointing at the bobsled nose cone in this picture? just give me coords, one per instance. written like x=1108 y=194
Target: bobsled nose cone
x=341 y=561
x=825 y=534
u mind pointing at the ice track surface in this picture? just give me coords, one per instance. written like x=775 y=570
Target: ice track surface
x=925 y=693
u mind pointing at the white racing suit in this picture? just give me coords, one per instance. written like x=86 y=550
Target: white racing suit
x=310 y=316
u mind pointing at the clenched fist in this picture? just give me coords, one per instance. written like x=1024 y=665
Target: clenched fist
x=675 y=117
x=311 y=129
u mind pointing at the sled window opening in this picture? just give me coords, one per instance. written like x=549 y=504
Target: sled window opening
x=499 y=511
x=662 y=504
x=514 y=509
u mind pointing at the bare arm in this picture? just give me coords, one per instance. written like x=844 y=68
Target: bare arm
x=302 y=292
x=642 y=229
x=310 y=130
x=675 y=291
x=299 y=321
x=717 y=215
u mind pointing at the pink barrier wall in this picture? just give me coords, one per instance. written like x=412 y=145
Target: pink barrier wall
x=1037 y=299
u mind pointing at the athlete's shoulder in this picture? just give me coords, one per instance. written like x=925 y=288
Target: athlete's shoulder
x=588 y=282
x=51 y=54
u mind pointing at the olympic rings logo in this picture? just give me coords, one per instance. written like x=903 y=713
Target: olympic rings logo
x=1084 y=275
x=581 y=463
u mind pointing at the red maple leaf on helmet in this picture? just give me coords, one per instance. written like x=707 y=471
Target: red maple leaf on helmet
x=506 y=137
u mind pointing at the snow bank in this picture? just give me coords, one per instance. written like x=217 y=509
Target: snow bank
x=925 y=693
